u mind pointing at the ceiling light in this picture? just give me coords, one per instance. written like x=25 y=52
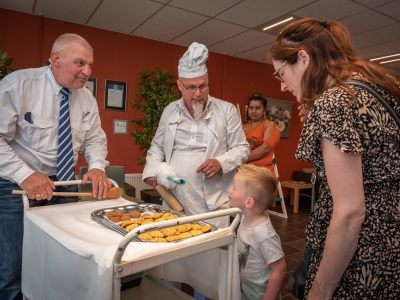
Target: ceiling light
x=389 y=61
x=279 y=23
x=382 y=57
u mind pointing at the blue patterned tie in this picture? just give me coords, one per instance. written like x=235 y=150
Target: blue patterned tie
x=65 y=157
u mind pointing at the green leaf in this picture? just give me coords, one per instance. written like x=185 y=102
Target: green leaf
x=5 y=64
x=156 y=90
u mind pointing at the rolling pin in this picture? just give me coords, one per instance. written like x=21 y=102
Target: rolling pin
x=173 y=203
x=113 y=193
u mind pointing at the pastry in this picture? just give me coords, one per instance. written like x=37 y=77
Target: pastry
x=118 y=212
x=135 y=214
x=145 y=236
x=114 y=219
x=156 y=234
x=206 y=228
x=185 y=235
x=159 y=240
x=147 y=216
x=196 y=226
x=169 y=231
x=131 y=227
x=172 y=238
x=195 y=232
x=125 y=217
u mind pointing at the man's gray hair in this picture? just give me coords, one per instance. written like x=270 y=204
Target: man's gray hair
x=63 y=41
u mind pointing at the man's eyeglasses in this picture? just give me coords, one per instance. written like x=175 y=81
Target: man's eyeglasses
x=276 y=73
x=192 y=89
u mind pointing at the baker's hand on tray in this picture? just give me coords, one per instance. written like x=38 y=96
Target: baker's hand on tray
x=38 y=186
x=210 y=167
x=100 y=182
x=152 y=181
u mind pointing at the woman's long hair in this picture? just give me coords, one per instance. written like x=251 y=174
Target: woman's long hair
x=332 y=55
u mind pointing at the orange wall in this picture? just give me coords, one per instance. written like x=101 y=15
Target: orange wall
x=29 y=38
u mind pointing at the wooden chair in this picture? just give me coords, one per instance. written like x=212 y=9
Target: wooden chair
x=280 y=198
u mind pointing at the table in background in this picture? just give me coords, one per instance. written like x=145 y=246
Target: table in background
x=295 y=187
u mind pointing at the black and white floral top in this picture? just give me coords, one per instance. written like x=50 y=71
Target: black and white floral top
x=361 y=126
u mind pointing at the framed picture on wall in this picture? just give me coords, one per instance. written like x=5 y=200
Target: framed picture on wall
x=120 y=126
x=280 y=111
x=115 y=95
x=91 y=85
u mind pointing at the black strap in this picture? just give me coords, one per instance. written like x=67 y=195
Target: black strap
x=378 y=96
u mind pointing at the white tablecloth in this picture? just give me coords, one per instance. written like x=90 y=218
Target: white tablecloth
x=68 y=255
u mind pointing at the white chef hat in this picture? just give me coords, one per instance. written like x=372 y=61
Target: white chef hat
x=193 y=62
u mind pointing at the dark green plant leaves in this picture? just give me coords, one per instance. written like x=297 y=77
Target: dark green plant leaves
x=5 y=64
x=156 y=90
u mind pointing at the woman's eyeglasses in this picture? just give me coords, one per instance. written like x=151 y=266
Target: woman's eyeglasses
x=276 y=73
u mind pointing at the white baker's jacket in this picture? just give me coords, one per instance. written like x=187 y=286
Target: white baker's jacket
x=227 y=143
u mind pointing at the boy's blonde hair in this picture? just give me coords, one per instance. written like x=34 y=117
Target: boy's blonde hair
x=259 y=183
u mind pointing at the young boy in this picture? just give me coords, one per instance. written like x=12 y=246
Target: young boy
x=261 y=261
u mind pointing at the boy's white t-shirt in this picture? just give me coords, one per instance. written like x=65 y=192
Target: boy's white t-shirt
x=258 y=247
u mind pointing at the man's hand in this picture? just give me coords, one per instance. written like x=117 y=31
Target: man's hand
x=151 y=181
x=210 y=168
x=38 y=186
x=100 y=182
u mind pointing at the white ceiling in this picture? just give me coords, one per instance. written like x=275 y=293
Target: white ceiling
x=227 y=26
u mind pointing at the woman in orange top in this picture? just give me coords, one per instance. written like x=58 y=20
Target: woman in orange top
x=261 y=134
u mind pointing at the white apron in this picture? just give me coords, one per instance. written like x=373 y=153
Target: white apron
x=191 y=195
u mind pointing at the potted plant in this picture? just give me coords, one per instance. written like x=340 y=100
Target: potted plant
x=5 y=64
x=156 y=90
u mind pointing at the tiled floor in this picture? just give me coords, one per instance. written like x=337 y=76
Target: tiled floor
x=291 y=232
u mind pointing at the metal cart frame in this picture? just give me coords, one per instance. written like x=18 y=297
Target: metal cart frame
x=123 y=269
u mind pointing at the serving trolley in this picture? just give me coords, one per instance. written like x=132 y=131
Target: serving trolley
x=68 y=254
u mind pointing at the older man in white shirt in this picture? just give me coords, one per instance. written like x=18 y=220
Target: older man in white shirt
x=202 y=138
x=29 y=145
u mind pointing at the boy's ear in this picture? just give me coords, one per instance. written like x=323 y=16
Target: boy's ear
x=250 y=202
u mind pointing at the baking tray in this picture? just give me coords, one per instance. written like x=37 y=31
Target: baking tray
x=99 y=215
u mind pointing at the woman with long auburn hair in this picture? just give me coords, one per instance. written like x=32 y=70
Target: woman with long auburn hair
x=354 y=143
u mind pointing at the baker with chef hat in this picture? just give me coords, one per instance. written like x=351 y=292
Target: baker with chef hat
x=201 y=138
x=193 y=79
